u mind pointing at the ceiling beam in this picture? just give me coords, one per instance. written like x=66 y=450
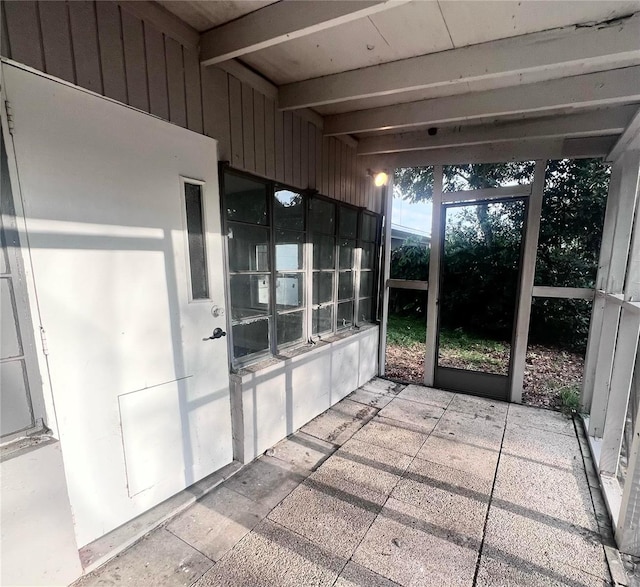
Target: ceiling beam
x=629 y=140
x=548 y=55
x=496 y=153
x=280 y=22
x=587 y=124
x=590 y=90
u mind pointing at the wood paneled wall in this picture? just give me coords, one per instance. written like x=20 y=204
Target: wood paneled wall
x=104 y=47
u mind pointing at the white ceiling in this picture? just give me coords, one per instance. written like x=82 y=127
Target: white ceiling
x=411 y=29
x=417 y=28
x=204 y=15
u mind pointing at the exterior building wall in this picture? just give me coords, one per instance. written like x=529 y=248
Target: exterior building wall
x=105 y=47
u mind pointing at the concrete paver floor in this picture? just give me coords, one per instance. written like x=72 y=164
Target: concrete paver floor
x=392 y=486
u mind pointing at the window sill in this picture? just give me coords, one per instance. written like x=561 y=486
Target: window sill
x=247 y=371
x=24 y=444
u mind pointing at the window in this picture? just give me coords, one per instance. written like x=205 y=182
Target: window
x=294 y=264
x=288 y=220
x=322 y=217
x=195 y=234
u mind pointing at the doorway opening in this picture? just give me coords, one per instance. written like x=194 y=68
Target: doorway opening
x=476 y=311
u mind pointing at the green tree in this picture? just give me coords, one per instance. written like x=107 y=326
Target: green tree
x=486 y=239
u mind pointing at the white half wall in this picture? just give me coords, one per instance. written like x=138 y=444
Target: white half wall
x=38 y=542
x=270 y=403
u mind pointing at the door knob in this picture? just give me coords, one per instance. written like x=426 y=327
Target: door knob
x=217 y=333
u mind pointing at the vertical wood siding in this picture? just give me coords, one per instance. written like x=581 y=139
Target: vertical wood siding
x=102 y=47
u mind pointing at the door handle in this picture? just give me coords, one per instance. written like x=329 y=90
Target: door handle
x=217 y=333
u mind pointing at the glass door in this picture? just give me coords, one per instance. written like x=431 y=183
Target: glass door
x=476 y=313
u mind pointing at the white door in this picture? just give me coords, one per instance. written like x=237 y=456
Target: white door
x=123 y=224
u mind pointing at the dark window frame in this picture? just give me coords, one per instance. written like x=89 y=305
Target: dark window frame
x=307 y=308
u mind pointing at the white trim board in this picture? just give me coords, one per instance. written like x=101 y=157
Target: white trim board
x=568 y=293
x=512 y=191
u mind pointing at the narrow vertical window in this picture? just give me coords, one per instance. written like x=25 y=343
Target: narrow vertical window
x=196 y=234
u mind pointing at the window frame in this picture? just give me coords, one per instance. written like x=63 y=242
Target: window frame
x=274 y=188
x=184 y=180
x=307 y=272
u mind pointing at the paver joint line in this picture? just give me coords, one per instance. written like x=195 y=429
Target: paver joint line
x=486 y=519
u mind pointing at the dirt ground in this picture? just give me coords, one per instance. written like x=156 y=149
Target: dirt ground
x=547 y=371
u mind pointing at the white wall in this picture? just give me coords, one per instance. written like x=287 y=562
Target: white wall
x=273 y=402
x=38 y=543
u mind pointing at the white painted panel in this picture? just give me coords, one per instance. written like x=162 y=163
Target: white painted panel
x=476 y=22
x=205 y=15
x=150 y=423
x=310 y=387
x=273 y=402
x=38 y=545
x=345 y=361
x=101 y=188
x=368 y=357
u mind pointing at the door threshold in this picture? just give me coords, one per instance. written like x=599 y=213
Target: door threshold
x=98 y=552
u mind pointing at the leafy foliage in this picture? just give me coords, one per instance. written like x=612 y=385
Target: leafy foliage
x=484 y=241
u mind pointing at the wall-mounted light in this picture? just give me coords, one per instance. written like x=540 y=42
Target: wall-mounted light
x=380 y=178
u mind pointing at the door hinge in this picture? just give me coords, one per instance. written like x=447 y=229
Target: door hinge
x=43 y=336
x=9 y=112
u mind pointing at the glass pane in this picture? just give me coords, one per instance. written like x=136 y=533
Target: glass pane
x=289 y=250
x=288 y=210
x=571 y=221
x=323 y=251
x=409 y=259
x=347 y=249
x=289 y=327
x=195 y=232
x=322 y=319
x=248 y=248
x=345 y=315
x=322 y=287
x=322 y=216
x=475 y=176
x=348 y=222
x=245 y=199
x=366 y=284
x=557 y=343
x=406 y=334
x=345 y=285
x=479 y=284
x=249 y=295
x=364 y=310
x=368 y=260
x=369 y=227
x=250 y=337
x=289 y=291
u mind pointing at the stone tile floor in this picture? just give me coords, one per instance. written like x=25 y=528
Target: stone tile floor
x=392 y=486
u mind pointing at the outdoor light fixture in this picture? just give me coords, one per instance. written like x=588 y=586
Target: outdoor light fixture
x=380 y=178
